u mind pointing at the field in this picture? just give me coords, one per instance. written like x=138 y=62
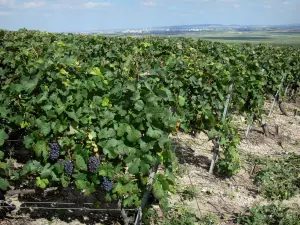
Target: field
x=280 y=38
x=150 y=130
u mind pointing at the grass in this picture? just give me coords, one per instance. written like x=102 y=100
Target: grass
x=279 y=179
x=269 y=215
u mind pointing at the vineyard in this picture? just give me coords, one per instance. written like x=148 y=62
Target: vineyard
x=92 y=114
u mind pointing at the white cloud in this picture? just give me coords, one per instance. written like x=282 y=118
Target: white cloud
x=149 y=3
x=96 y=4
x=36 y=4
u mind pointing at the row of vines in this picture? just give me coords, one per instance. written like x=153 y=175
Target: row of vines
x=97 y=111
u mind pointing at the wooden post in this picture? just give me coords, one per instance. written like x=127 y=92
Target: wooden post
x=215 y=154
x=146 y=196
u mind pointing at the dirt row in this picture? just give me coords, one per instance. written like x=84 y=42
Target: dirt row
x=226 y=197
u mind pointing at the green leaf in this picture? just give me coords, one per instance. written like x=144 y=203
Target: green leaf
x=154 y=133
x=106 y=133
x=133 y=167
x=145 y=168
x=41 y=183
x=97 y=72
x=139 y=105
x=46 y=172
x=65 y=181
x=80 y=176
x=158 y=190
x=1 y=155
x=181 y=100
x=134 y=135
x=81 y=184
x=3 y=184
x=41 y=149
x=122 y=129
x=59 y=167
x=119 y=189
x=105 y=102
x=80 y=163
x=3 y=137
x=3 y=165
x=44 y=127
x=28 y=141
x=92 y=135
x=90 y=189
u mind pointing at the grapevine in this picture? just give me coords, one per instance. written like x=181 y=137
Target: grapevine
x=68 y=166
x=54 y=151
x=107 y=184
x=93 y=164
x=120 y=98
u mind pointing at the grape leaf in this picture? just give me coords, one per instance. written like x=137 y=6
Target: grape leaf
x=80 y=163
x=3 y=184
x=134 y=135
x=41 y=149
x=3 y=137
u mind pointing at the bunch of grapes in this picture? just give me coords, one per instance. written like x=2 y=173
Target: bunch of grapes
x=68 y=167
x=107 y=184
x=93 y=164
x=54 y=151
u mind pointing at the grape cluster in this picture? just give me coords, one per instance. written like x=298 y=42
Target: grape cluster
x=68 y=167
x=93 y=164
x=107 y=184
x=54 y=151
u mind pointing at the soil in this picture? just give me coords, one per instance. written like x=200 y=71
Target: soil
x=227 y=197
x=221 y=196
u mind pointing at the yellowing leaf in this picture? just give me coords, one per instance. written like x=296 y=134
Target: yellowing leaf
x=63 y=71
x=92 y=135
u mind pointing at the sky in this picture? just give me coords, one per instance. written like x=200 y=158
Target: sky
x=96 y=15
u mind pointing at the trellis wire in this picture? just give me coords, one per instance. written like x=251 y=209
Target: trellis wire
x=60 y=208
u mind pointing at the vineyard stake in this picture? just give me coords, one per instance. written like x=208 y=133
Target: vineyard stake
x=146 y=196
x=275 y=97
x=214 y=159
x=216 y=147
x=227 y=102
x=249 y=127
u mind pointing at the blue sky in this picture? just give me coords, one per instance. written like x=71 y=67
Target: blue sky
x=87 y=15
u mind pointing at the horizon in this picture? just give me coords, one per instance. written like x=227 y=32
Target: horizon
x=95 y=15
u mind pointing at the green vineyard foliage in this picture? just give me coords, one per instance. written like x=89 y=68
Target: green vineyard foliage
x=119 y=98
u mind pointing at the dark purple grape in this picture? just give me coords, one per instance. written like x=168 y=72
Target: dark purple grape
x=107 y=184
x=68 y=167
x=54 y=151
x=93 y=164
